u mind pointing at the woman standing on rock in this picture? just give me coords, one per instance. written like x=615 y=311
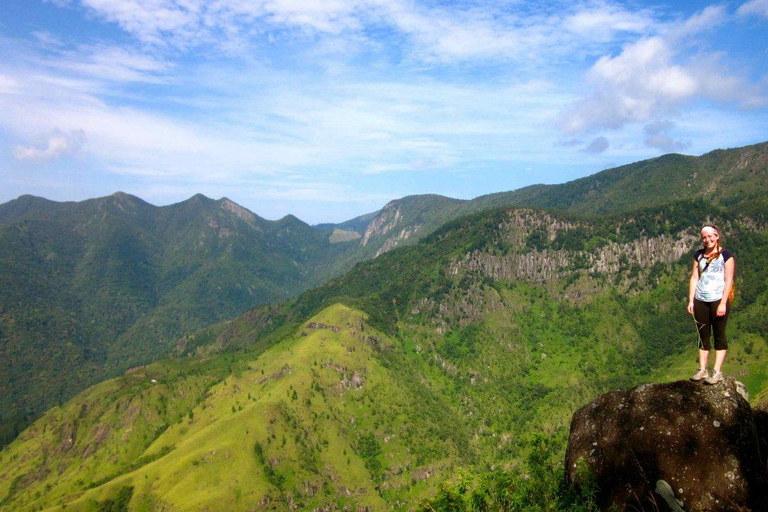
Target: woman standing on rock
x=709 y=294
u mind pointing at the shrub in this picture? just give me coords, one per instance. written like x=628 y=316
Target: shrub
x=541 y=489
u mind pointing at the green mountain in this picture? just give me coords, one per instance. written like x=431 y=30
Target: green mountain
x=90 y=289
x=427 y=362
x=439 y=357
x=298 y=424
x=357 y=225
x=721 y=177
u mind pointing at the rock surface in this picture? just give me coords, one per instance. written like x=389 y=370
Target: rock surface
x=670 y=447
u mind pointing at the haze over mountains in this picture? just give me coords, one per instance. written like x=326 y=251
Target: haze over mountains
x=497 y=317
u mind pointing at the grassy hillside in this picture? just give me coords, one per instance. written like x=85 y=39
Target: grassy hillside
x=89 y=289
x=92 y=288
x=325 y=417
x=430 y=361
x=618 y=280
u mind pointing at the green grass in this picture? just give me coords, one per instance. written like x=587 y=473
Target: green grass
x=299 y=401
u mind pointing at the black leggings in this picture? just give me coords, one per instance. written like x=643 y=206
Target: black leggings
x=707 y=321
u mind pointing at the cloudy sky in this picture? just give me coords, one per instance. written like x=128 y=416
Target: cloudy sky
x=327 y=109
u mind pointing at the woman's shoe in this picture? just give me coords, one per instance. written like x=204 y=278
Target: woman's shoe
x=715 y=378
x=700 y=375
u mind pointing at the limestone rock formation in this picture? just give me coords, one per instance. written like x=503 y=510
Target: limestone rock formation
x=681 y=446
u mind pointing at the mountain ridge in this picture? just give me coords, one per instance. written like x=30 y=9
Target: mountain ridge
x=722 y=177
x=98 y=285
x=483 y=355
x=155 y=287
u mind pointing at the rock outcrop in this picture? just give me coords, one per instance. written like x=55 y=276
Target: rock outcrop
x=682 y=446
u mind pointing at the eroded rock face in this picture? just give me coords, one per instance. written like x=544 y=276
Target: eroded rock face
x=698 y=441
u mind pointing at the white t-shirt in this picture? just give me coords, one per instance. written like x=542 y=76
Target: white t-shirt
x=711 y=277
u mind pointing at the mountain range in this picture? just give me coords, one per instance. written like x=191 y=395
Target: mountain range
x=494 y=318
x=721 y=177
x=90 y=289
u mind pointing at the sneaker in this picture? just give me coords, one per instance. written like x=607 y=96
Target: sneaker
x=700 y=375
x=715 y=378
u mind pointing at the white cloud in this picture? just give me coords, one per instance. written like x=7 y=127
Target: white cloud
x=356 y=90
x=110 y=63
x=603 y=21
x=149 y=20
x=192 y=23
x=419 y=165
x=636 y=85
x=441 y=35
x=47 y=39
x=331 y=16
x=754 y=7
x=654 y=77
x=57 y=145
x=645 y=71
x=9 y=85
x=268 y=124
x=534 y=33
x=423 y=32
x=711 y=17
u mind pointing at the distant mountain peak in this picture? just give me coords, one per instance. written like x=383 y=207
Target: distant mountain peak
x=421 y=199
x=291 y=219
x=239 y=211
x=124 y=197
x=196 y=200
x=30 y=197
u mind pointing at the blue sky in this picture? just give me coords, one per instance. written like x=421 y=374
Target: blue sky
x=328 y=109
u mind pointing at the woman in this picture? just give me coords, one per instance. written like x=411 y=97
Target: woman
x=709 y=291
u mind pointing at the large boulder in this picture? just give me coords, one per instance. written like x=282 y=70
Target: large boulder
x=682 y=446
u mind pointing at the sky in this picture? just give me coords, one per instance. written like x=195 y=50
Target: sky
x=329 y=109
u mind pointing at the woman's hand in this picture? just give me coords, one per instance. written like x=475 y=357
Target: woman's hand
x=690 y=307
x=722 y=309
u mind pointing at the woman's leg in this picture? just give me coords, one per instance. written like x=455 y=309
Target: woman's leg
x=703 y=359
x=719 y=358
x=721 y=342
x=702 y=314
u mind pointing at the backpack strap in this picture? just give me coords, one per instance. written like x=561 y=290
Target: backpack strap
x=710 y=259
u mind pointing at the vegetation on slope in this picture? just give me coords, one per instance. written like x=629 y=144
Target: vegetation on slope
x=722 y=177
x=331 y=416
x=495 y=326
x=97 y=286
x=89 y=289
x=725 y=178
x=498 y=357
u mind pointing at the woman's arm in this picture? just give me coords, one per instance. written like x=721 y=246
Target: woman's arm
x=730 y=270
x=692 y=283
